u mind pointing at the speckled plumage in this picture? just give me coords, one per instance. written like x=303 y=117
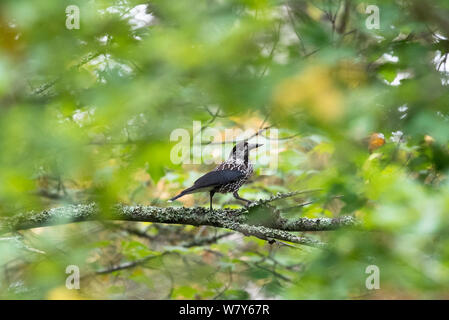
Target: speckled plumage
x=233 y=164
x=228 y=176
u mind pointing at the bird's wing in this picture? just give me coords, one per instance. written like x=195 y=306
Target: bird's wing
x=211 y=179
x=218 y=178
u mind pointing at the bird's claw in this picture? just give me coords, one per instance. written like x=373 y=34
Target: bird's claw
x=248 y=204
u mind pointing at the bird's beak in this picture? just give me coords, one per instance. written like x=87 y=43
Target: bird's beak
x=254 y=146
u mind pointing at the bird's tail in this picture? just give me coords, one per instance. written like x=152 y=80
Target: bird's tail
x=182 y=193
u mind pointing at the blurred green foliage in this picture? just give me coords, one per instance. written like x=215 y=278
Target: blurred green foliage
x=86 y=115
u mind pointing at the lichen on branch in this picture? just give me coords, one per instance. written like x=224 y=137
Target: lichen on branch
x=259 y=220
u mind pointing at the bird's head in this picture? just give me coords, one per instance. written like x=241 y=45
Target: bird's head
x=241 y=150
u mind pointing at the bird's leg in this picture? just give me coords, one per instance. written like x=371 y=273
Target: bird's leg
x=236 y=195
x=211 y=196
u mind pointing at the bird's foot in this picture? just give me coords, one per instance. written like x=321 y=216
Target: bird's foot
x=249 y=203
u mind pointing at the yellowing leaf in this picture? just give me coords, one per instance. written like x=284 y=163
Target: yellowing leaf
x=350 y=73
x=376 y=141
x=312 y=91
x=62 y=293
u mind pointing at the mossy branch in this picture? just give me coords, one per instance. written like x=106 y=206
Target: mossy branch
x=260 y=220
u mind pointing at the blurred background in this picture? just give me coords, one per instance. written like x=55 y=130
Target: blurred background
x=359 y=100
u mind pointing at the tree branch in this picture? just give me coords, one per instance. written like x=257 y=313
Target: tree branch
x=259 y=221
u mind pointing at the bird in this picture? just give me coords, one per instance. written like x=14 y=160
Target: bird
x=227 y=177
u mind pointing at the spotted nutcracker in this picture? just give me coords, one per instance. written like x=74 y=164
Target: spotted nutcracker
x=228 y=176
